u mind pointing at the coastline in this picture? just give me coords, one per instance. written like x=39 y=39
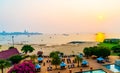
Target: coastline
x=65 y=48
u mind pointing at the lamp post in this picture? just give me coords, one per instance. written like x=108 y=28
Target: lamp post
x=13 y=41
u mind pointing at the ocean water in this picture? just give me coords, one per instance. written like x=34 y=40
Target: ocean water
x=51 y=39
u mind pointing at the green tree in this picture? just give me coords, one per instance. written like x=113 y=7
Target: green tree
x=11 y=47
x=79 y=60
x=103 y=52
x=15 y=59
x=116 y=49
x=52 y=54
x=27 y=48
x=4 y=64
x=56 y=60
x=119 y=55
x=87 y=52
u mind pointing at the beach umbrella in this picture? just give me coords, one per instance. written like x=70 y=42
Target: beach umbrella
x=84 y=62
x=40 y=59
x=37 y=66
x=60 y=57
x=100 y=59
x=80 y=55
x=62 y=64
x=39 y=52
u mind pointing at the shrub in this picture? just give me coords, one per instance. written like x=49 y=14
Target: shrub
x=15 y=59
x=24 y=67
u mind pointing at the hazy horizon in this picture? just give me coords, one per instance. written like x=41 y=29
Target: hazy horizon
x=60 y=16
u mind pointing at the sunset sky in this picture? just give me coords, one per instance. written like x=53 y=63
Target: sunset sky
x=60 y=16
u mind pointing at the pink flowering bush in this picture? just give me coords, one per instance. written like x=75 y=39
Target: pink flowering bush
x=24 y=67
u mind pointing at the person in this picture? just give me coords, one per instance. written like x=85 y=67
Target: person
x=72 y=65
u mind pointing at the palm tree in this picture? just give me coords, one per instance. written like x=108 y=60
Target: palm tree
x=27 y=48
x=33 y=57
x=0 y=46
x=78 y=59
x=4 y=64
x=73 y=53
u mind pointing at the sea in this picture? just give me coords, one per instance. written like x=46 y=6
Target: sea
x=51 y=39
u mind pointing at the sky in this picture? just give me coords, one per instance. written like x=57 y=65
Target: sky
x=60 y=16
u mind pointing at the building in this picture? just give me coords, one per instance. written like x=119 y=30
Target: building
x=8 y=53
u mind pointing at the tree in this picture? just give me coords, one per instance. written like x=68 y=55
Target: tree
x=27 y=48
x=24 y=67
x=12 y=47
x=56 y=60
x=78 y=59
x=87 y=52
x=4 y=64
x=73 y=53
x=15 y=59
x=0 y=46
x=103 y=52
x=116 y=49
x=33 y=57
x=52 y=54
x=119 y=55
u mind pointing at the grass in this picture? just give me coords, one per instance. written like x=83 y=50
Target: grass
x=109 y=45
x=114 y=54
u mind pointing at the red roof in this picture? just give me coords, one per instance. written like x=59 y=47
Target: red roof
x=8 y=53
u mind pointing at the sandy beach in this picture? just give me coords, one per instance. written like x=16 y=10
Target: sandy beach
x=65 y=48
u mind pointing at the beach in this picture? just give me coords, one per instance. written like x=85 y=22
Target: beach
x=67 y=49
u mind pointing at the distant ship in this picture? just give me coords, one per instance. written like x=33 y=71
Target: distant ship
x=20 y=33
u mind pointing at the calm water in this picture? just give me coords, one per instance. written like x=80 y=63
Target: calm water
x=94 y=71
x=113 y=67
x=50 y=39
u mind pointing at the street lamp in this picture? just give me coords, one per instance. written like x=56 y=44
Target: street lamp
x=13 y=41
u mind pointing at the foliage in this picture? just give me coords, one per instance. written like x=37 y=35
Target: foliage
x=12 y=47
x=119 y=55
x=15 y=59
x=102 y=52
x=24 y=67
x=56 y=60
x=113 y=41
x=4 y=64
x=27 y=48
x=116 y=49
x=98 y=51
x=25 y=56
x=78 y=59
x=87 y=52
x=0 y=46
x=56 y=53
x=33 y=57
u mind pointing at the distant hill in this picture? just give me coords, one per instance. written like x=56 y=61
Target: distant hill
x=20 y=33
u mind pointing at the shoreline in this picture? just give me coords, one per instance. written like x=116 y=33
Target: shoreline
x=65 y=48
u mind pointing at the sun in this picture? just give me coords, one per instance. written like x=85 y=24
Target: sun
x=100 y=17
x=100 y=37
